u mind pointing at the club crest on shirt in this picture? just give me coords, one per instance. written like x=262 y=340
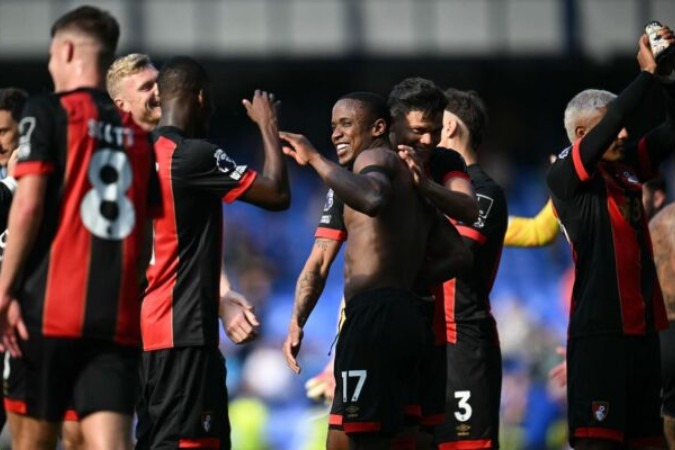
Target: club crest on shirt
x=564 y=153
x=600 y=410
x=630 y=177
x=207 y=421
x=225 y=164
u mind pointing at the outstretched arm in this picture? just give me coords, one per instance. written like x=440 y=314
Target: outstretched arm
x=362 y=190
x=270 y=189
x=537 y=231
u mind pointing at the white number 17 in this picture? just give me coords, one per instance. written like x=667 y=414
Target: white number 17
x=361 y=375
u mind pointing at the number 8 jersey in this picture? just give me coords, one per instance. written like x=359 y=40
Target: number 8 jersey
x=80 y=278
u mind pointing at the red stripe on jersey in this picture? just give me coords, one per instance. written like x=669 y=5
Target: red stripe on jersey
x=199 y=443
x=330 y=233
x=643 y=157
x=70 y=255
x=412 y=410
x=627 y=261
x=15 y=406
x=472 y=233
x=33 y=168
x=429 y=421
x=361 y=427
x=246 y=182
x=157 y=307
x=578 y=163
x=71 y=416
x=455 y=174
x=598 y=433
x=466 y=445
x=335 y=419
x=449 y=302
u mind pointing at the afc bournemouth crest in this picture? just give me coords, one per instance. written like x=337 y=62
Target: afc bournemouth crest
x=207 y=421
x=600 y=410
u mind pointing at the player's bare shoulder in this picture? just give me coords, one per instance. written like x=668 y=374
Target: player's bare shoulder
x=383 y=158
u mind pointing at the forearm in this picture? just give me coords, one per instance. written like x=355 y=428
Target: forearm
x=309 y=288
x=456 y=205
x=595 y=143
x=356 y=191
x=274 y=168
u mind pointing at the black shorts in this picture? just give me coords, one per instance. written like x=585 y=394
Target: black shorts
x=472 y=396
x=432 y=374
x=667 y=338
x=56 y=374
x=377 y=361
x=185 y=397
x=614 y=384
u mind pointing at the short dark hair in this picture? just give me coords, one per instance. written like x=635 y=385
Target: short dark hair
x=656 y=184
x=374 y=103
x=96 y=23
x=416 y=94
x=470 y=108
x=12 y=100
x=181 y=75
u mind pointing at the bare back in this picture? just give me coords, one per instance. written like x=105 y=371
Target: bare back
x=662 y=230
x=388 y=249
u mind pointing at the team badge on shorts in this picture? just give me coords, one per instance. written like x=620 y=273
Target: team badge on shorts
x=600 y=410
x=207 y=421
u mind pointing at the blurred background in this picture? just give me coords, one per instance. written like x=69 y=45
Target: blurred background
x=526 y=58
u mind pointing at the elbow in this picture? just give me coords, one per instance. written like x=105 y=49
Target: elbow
x=372 y=206
x=281 y=203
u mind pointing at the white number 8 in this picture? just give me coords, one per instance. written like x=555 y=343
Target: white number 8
x=106 y=212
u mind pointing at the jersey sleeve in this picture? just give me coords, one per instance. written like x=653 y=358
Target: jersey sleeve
x=537 y=231
x=207 y=168
x=446 y=164
x=577 y=164
x=491 y=218
x=332 y=225
x=37 y=146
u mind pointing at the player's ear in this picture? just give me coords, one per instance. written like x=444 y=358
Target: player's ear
x=452 y=127
x=579 y=131
x=659 y=199
x=379 y=128
x=68 y=50
x=120 y=104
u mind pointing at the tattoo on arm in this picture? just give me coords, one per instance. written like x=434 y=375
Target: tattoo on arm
x=309 y=288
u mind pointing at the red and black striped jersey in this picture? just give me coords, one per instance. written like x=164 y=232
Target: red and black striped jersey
x=80 y=278
x=180 y=307
x=466 y=299
x=599 y=204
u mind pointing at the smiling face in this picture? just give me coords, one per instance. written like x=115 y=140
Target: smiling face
x=138 y=95
x=353 y=129
x=418 y=130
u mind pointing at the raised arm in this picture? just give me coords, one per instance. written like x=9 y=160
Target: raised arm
x=365 y=190
x=270 y=189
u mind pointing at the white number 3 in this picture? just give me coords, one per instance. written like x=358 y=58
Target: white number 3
x=106 y=212
x=465 y=410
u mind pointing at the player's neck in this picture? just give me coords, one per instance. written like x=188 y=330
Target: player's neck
x=462 y=147
x=83 y=80
x=181 y=118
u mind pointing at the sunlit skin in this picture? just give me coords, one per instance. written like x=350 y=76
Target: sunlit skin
x=417 y=130
x=9 y=136
x=352 y=132
x=138 y=95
